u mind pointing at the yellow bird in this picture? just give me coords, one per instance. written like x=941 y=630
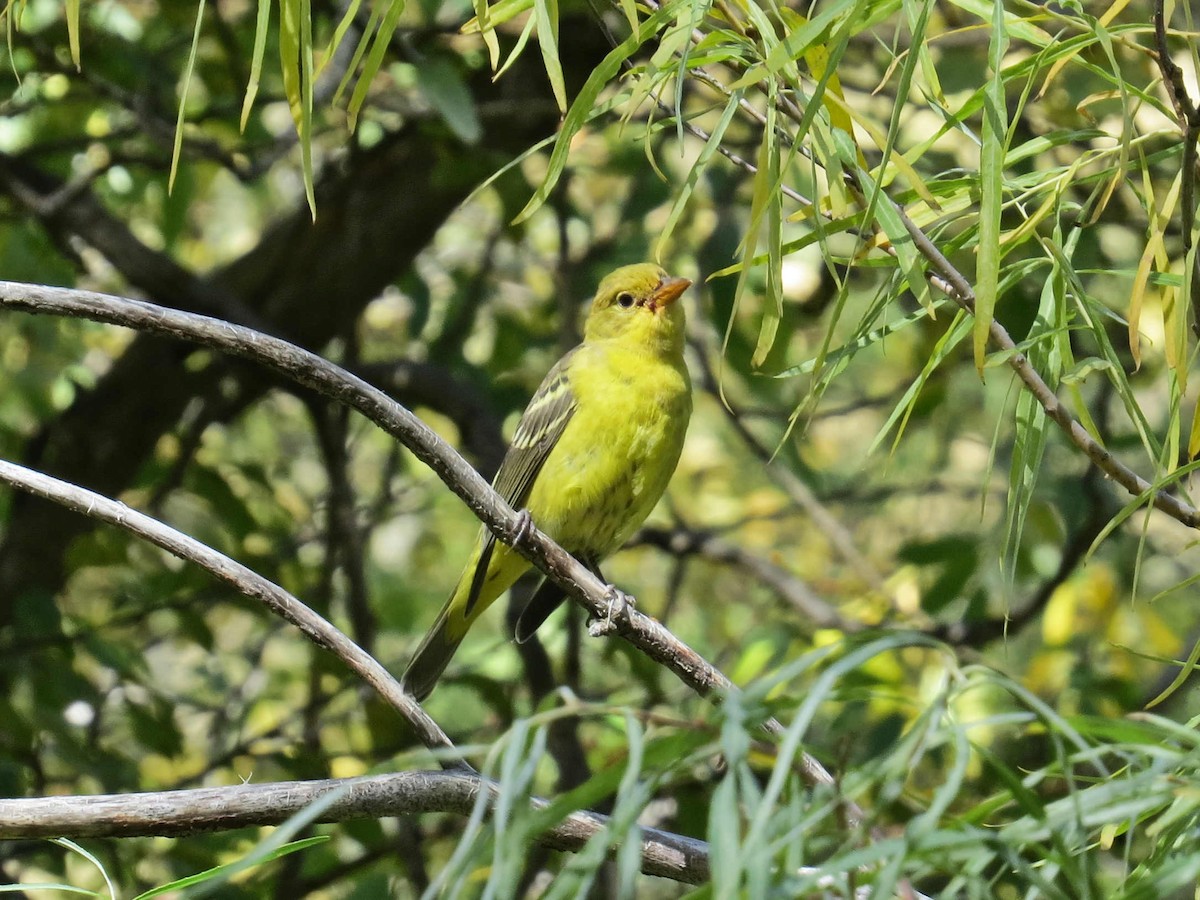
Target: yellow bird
x=591 y=456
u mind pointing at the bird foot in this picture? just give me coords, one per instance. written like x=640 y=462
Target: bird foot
x=521 y=528
x=619 y=605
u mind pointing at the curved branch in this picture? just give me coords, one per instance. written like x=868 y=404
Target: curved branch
x=311 y=370
x=175 y=813
x=247 y=582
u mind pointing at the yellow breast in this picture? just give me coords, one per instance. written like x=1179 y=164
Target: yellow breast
x=617 y=453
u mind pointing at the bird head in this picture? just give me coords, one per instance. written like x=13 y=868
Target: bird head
x=636 y=305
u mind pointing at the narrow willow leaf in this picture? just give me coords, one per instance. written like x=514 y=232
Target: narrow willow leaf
x=261 y=27
x=846 y=352
x=518 y=47
x=822 y=230
x=289 y=55
x=886 y=141
x=1012 y=23
x=917 y=15
x=991 y=178
x=823 y=68
x=910 y=261
x=581 y=107
x=773 y=312
x=764 y=184
x=306 y=100
x=1181 y=676
x=26 y=886
x=495 y=15
x=229 y=868
x=1049 y=353
x=959 y=328
x=546 y=13
x=295 y=66
x=1114 y=9
x=792 y=47
x=71 y=10
x=1144 y=500
x=629 y=8
x=1137 y=297
x=711 y=146
x=1079 y=373
x=339 y=35
x=185 y=81
x=360 y=49
x=601 y=110
x=1175 y=319
x=697 y=11
x=90 y=857
x=483 y=24
x=374 y=61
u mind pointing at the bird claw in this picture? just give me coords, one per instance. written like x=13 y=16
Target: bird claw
x=521 y=528
x=618 y=607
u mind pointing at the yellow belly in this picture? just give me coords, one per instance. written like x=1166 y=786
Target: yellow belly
x=609 y=467
x=615 y=456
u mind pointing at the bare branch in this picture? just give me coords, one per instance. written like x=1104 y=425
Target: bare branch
x=644 y=633
x=247 y=582
x=174 y=813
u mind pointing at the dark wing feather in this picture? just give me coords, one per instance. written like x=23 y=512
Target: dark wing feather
x=541 y=425
x=544 y=601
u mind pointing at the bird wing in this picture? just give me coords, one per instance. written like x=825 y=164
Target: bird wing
x=540 y=427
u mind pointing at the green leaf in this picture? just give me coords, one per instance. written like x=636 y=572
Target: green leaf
x=991 y=177
x=295 y=62
x=71 y=9
x=379 y=46
x=261 y=27
x=224 y=871
x=442 y=85
x=546 y=14
x=186 y=80
x=581 y=108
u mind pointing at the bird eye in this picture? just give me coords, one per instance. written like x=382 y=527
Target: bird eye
x=625 y=299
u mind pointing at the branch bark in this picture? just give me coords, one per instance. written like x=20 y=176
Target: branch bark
x=247 y=582
x=304 y=279
x=306 y=368
x=175 y=813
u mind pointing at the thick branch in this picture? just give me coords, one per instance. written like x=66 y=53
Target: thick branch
x=174 y=813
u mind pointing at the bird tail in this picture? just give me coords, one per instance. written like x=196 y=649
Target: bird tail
x=432 y=657
x=545 y=600
x=488 y=575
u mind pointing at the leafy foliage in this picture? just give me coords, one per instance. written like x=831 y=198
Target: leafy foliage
x=861 y=443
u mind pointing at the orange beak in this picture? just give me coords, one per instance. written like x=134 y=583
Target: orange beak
x=669 y=289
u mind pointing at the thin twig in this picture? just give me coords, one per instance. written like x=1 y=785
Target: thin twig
x=247 y=582
x=947 y=279
x=683 y=542
x=1189 y=123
